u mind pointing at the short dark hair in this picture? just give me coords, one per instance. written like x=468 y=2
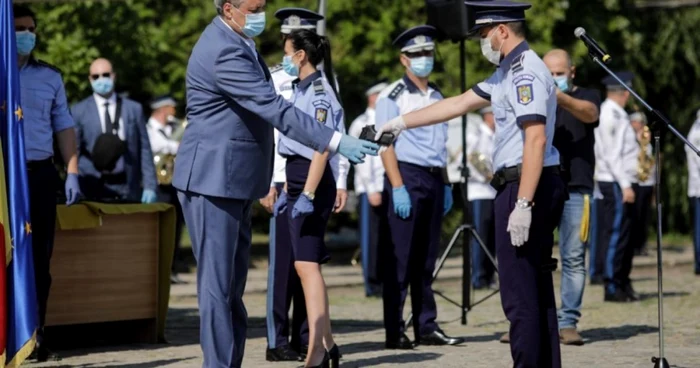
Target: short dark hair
x=21 y=11
x=517 y=27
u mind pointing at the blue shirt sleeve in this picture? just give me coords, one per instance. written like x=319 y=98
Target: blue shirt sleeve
x=529 y=95
x=61 y=118
x=483 y=89
x=386 y=110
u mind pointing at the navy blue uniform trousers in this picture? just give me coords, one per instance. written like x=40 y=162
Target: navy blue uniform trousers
x=43 y=181
x=481 y=211
x=615 y=250
x=220 y=230
x=527 y=289
x=283 y=287
x=409 y=259
x=642 y=215
x=373 y=232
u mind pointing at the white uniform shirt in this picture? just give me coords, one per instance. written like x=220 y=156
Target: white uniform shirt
x=283 y=86
x=616 y=147
x=478 y=186
x=159 y=136
x=369 y=175
x=693 y=161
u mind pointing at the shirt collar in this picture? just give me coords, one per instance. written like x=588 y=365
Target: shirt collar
x=101 y=100
x=517 y=51
x=248 y=41
x=616 y=106
x=306 y=82
x=412 y=88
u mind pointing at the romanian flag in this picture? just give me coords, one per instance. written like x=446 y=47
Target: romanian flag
x=19 y=320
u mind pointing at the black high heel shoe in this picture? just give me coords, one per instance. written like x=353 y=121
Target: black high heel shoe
x=324 y=364
x=335 y=356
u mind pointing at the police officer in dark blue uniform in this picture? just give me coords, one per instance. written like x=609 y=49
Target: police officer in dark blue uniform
x=45 y=113
x=530 y=193
x=417 y=195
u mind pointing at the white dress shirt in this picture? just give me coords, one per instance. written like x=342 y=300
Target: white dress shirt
x=369 y=176
x=478 y=186
x=112 y=109
x=693 y=161
x=616 y=147
x=159 y=136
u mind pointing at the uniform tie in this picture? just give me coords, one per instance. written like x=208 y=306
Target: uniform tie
x=109 y=127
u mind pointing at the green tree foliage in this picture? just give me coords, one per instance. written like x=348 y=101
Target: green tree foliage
x=149 y=42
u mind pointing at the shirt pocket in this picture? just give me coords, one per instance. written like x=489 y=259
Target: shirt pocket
x=37 y=103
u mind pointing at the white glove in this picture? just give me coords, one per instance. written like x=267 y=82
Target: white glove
x=519 y=225
x=395 y=126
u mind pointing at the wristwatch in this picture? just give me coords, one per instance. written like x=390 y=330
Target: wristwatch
x=311 y=195
x=524 y=203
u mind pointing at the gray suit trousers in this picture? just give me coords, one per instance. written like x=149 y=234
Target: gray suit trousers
x=220 y=230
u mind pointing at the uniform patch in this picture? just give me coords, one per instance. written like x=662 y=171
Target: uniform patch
x=318 y=87
x=321 y=115
x=524 y=94
x=524 y=77
x=394 y=94
x=517 y=65
x=616 y=114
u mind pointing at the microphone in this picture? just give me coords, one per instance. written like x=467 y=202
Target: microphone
x=593 y=46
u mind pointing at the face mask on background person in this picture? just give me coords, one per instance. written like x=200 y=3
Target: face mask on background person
x=289 y=66
x=422 y=66
x=494 y=56
x=254 y=24
x=102 y=85
x=562 y=82
x=25 y=42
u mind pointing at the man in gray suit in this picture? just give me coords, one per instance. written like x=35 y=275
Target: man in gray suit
x=115 y=159
x=224 y=163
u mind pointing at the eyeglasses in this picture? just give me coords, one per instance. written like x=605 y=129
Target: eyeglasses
x=97 y=76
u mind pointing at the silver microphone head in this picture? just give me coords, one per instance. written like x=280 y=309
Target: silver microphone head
x=578 y=32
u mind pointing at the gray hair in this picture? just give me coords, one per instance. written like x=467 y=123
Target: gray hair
x=220 y=3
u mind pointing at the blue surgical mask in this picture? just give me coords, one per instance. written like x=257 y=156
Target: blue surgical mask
x=562 y=82
x=254 y=24
x=25 y=42
x=289 y=66
x=422 y=66
x=102 y=85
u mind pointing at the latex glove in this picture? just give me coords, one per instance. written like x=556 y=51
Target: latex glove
x=394 y=126
x=148 y=196
x=402 y=202
x=519 y=225
x=280 y=204
x=72 y=189
x=355 y=149
x=303 y=207
x=448 y=200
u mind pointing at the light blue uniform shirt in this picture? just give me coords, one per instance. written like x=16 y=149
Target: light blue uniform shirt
x=522 y=89
x=314 y=96
x=44 y=107
x=424 y=146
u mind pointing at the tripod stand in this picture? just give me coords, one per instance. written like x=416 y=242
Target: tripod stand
x=466 y=229
x=660 y=122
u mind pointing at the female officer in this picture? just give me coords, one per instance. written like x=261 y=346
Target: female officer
x=311 y=187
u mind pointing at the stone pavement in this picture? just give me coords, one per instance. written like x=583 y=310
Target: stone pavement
x=617 y=335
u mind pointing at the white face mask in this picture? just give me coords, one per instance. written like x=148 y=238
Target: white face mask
x=494 y=56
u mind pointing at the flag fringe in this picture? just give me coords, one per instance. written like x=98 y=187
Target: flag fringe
x=23 y=353
x=2 y=359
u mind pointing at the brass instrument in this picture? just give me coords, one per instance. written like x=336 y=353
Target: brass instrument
x=482 y=164
x=165 y=163
x=645 y=161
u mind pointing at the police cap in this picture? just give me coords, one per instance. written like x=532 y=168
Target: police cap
x=162 y=101
x=297 y=18
x=487 y=13
x=418 y=38
x=613 y=84
x=377 y=87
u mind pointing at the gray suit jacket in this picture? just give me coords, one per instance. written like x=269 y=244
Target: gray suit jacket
x=232 y=107
x=138 y=159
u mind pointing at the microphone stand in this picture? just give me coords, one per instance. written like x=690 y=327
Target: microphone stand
x=658 y=123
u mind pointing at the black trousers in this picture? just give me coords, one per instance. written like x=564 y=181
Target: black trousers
x=642 y=215
x=43 y=182
x=615 y=252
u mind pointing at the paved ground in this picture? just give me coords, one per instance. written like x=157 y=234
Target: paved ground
x=617 y=335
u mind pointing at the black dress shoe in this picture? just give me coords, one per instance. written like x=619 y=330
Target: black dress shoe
x=325 y=363
x=402 y=343
x=439 y=338
x=335 y=356
x=282 y=354
x=42 y=354
x=301 y=349
x=629 y=290
x=619 y=296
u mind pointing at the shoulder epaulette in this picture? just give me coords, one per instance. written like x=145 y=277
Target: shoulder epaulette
x=318 y=87
x=276 y=68
x=435 y=87
x=517 y=64
x=47 y=65
x=396 y=92
x=616 y=114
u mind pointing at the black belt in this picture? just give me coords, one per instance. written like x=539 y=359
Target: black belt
x=113 y=178
x=430 y=169
x=513 y=173
x=34 y=165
